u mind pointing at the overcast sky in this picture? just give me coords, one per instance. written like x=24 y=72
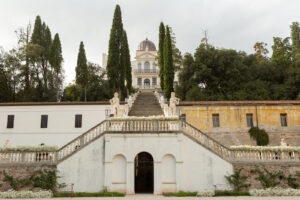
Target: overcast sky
x=236 y=24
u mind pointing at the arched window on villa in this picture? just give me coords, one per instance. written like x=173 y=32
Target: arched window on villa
x=154 y=67
x=139 y=67
x=147 y=67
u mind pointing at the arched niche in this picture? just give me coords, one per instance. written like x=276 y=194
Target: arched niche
x=169 y=169
x=119 y=169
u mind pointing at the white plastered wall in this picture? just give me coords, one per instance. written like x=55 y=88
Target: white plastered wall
x=61 y=123
x=192 y=167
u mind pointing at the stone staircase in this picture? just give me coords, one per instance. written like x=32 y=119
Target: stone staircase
x=146 y=105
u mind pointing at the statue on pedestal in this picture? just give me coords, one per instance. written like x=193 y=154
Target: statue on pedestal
x=115 y=102
x=173 y=102
x=6 y=144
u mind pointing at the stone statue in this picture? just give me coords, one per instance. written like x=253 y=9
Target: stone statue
x=282 y=142
x=6 y=144
x=115 y=102
x=173 y=102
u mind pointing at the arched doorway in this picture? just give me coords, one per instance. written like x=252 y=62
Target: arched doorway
x=146 y=83
x=143 y=173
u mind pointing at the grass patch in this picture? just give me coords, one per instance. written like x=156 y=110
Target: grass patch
x=89 y=194
x=180 y=194
x=231 y=193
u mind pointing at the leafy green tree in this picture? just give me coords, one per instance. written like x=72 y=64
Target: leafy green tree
x=115 y=70
x=161 y=53
x=126 y=63
x=261 y=51
x=24 y=36
x=98 y=88
x=267 y=178
x=237 y=180
x=168 y=65
x=72 y=92
x=82 y=70
x=5 y=87
x=56 y=60
x=185 y=77
x=177 y=57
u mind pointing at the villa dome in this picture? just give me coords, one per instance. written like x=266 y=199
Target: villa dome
x=147 y=44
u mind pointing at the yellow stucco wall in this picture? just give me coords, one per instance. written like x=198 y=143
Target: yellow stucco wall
x=233 y=128
x=234 y=117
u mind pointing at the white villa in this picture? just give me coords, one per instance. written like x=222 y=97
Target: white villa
x=144 y=147
x=145 y=68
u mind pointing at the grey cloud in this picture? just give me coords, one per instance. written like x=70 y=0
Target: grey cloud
x=230 y=23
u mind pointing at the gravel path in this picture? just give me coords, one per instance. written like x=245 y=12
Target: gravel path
x=148 y=197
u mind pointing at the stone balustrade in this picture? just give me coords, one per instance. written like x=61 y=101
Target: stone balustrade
x=27 y=157
x=162 y=102
x=148 y=125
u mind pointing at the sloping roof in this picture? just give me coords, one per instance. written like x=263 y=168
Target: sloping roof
x=56 y=103
x=196 y=103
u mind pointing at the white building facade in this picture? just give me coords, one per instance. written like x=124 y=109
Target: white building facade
x=145 y=68
x=48 y=123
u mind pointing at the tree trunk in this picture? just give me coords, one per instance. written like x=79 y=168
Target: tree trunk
x=84 y=93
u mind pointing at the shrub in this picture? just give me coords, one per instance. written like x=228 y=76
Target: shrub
x=44 y=179
x=292 y=182
x=180 y=194
x=275 y=192
x=237 y=180
x=259 y=135
x=91 y=194
x=206 y=193
x=231 y=193
x=15 y=183
x=268 y=179
x=12 y=194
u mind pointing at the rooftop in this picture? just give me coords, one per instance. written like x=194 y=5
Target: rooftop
x=146 y=45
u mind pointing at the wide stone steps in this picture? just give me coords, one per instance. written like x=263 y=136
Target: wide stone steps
x=146 y=104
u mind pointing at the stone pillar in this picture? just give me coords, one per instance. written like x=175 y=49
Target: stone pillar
x=130 y=178
x=157 y=177
x=107 y=165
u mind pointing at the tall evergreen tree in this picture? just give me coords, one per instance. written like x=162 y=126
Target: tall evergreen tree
x=56 y=60
x=294 y=72
x=177 y=57
x=115 y=71
x=161 y=53
x=82 y=70
x=168 y=65
x=37 y=34
x=126 y=63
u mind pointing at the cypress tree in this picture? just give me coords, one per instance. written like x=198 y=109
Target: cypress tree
x=37 y=34
x=161 y=54
x=114 y=68
x=81 y=69
x=168 y=65
x=126 y=62
x=41 y=36
x=56 y=60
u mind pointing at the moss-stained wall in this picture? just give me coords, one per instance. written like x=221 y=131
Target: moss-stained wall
x=233 y=128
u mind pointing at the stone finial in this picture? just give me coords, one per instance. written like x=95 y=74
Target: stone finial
x=173 y=102
x=115 y=102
